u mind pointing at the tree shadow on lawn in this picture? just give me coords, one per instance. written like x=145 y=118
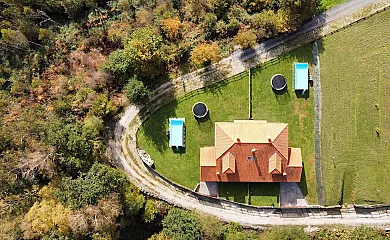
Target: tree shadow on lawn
x=155 y=126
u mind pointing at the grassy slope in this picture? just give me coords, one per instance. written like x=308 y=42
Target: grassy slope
x=297 y=112
x=355 y=72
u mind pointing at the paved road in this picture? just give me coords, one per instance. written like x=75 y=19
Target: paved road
x=123 y=150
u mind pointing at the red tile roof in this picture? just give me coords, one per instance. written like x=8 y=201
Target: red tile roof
x=259 y=153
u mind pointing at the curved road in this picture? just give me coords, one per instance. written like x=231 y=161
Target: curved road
x=123 y=150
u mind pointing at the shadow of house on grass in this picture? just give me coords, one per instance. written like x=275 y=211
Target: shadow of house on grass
x=302 y=184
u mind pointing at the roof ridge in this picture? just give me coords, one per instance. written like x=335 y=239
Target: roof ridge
x=272 y=143
x=222 y=154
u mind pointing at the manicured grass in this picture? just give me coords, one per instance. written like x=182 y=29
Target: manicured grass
x=355 y=98
x=260 y=194
x=296 y=110
x=228 y=101
x=326 y=4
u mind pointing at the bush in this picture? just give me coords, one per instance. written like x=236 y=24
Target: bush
x=136 y=91
x=89 y=188
x=287 y=233
x=150 y=211
x=246 y=39
x=181 y=224
x=205 y=54
x=211 y=227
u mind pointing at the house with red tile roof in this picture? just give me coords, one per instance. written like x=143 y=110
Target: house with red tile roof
x=250 y=151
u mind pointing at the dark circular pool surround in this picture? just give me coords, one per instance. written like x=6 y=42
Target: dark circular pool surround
x=278 y=82
x=200 y=110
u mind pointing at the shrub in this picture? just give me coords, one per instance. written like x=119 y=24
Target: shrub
x=181 y=224
x=288 y=233
x=246 y=39
x=211 y=227
x=205 y=54
x=150 y=211
x=136 y=91
x=89 y=187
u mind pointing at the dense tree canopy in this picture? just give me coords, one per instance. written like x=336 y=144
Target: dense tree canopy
x=181 y=224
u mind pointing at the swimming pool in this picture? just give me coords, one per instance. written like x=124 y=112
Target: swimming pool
x=176 y=132
x=301 y=81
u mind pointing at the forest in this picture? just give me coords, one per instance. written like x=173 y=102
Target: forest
x=68 y=69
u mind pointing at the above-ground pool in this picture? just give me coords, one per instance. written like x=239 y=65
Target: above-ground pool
x=301 y=81
x=278 y=82
x=176 y=132
x=200 y=110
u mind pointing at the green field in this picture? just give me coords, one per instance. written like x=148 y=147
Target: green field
x=296 y=110
x=228 y=101
x=183 y=168
x=355 y=98
x=326 y=4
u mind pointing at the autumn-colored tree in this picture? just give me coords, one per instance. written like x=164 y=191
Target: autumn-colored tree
x=143 y=48
x=298 y=11
x=45 y=216
x=268 y=23
x=205 y=54
x=100 y=218
x=246 y=39
x=171 y=27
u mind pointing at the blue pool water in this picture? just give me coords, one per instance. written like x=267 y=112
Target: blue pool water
x=301 y=76
x=176 y=132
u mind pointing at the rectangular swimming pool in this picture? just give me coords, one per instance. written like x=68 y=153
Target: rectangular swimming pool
x=301 y=81
x=176 y=132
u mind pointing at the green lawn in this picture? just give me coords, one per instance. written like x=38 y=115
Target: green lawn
x=298 y=112
x=183 y=168
x=356 y=94
x=228 y=101
x=326 y=4
x=260 y=194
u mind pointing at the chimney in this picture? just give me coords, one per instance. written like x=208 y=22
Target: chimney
x=253 y=151
x=238 y=138
x=217 y=173
x=269 y=139
x=284 y=174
